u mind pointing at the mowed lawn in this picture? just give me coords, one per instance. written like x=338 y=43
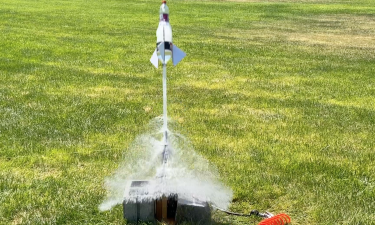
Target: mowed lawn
x=278 y=94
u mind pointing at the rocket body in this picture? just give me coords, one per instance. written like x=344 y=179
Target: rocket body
x=164 y=33
x=165 y=50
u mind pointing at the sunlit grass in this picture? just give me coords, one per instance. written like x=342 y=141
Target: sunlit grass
x=278 y=94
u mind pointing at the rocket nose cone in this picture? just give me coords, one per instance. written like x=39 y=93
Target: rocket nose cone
x=164 y=2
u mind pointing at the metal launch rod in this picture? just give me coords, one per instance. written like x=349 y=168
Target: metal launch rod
x=165 y=126
x=163 y=41
x=165 y=118
x=165 y=111
x=164 y=52
x=164 y=202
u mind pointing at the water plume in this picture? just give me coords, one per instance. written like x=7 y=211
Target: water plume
x=186 y=174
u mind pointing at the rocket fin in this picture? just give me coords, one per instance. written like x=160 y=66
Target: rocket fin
x=177 y=55
x=161 y=48
x=154 y=59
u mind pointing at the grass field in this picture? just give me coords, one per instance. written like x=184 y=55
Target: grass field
x=279 y=95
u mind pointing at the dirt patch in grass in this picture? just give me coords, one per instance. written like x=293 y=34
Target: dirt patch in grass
x=286 y=1
x=19 y=218
x=335 y=40
x=336 y=31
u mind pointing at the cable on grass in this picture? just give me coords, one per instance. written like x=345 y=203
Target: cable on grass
x=269 y=218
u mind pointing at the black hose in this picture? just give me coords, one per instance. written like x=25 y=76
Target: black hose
x=252 y=213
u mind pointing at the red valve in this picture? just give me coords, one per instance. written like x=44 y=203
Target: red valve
x=281 y=219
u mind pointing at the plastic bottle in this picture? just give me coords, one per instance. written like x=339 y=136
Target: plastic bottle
x=164 y=32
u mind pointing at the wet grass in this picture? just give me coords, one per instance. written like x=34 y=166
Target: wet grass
x=278 y=94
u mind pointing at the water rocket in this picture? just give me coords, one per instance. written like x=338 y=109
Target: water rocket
x=165 y=50
x=169 y=208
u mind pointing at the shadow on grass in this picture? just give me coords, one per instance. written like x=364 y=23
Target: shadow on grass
x=44 y=106
x=311 y=111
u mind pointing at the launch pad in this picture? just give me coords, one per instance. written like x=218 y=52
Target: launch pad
x=169 y=209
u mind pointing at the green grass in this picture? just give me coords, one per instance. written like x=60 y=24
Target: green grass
x=278 y=94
